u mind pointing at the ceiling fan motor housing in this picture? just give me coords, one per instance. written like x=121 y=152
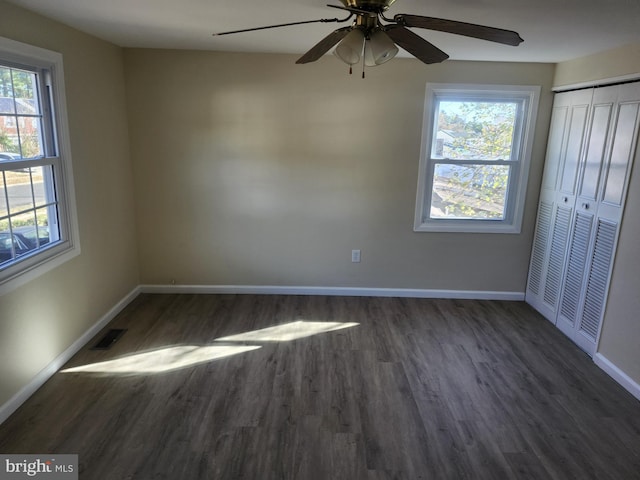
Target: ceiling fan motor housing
x=366 y=23
x=377 y=6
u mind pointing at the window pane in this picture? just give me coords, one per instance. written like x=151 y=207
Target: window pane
x=6 y=91
x=6 y=253
x=30 y=231
x=29 y=187
x=34 y=231
x=10 y=146
x=25 y=92
x=470 y=130
x=11 y=250
x=30 y=136
x=4 y=210
x=41 y=193
x=469 y=191
x=19 y=190
x=21 y=132
x=21 y=224
x=7 y=125
x=46 y=230
x=9 y=138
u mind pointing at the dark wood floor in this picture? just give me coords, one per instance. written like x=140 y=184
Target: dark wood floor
x=419 y=389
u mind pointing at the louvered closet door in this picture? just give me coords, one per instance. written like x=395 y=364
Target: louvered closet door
x=537 y=268
x=556 y=258
x=565 y=199
x=597 y=285
x=540 y=250
x=596 y=144
x=609 y=154
x=557 y=200
x=573 y=291
x=612 y=194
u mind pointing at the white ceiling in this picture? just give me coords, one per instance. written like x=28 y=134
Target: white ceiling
x=553 y=30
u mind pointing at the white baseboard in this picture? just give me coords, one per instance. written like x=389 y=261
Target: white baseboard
x=335 y=291
x=618 y=375
x=19 y=398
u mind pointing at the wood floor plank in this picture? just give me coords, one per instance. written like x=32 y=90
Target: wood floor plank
x=414 y=389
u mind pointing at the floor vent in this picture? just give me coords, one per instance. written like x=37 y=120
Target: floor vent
x=111 y=337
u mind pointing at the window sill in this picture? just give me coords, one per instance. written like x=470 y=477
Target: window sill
x=475 y=226
x=36 y=266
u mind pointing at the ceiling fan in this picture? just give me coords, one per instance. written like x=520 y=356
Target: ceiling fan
x=370 y=39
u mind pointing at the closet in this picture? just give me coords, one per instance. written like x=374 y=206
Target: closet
x=591 y=146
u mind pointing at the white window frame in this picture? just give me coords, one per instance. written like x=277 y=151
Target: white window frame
x=68 y=245
x=523 y=144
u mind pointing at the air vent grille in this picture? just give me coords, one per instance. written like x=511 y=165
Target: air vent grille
x=109 y=338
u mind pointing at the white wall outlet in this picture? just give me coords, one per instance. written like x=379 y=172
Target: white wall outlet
x=355 y=256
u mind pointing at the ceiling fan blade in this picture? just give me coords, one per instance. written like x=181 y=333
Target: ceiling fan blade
x=482 y=32
x=324 y=45
x=415 y=45
x=323 y=20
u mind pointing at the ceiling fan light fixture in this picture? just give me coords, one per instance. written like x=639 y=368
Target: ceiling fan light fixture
x=381 y=48
x=349 y=50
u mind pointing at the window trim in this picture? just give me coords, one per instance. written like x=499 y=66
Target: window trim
x=45 y=260
x=512 y=223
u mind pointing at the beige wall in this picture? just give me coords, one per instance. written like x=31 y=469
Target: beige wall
x=251 y=170
x=43 y=318
x=619 y=62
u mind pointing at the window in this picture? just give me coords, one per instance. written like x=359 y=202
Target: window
x=38 y=227
x=474 y=163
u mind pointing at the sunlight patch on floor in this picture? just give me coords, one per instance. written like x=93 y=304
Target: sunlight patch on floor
x=288 y=331
x=163 y=360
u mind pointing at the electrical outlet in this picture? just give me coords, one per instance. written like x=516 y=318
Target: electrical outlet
x=355 y=256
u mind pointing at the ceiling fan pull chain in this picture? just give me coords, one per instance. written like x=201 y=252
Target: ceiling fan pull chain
x=364 y=55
